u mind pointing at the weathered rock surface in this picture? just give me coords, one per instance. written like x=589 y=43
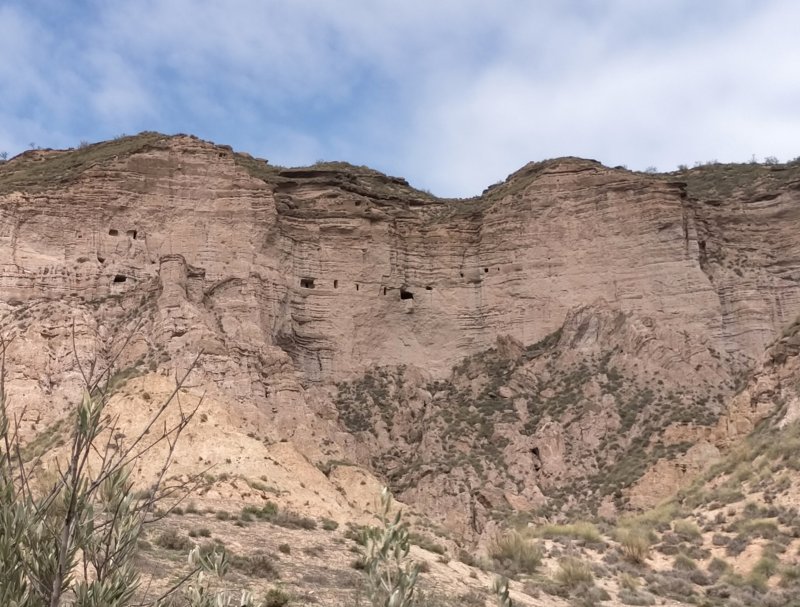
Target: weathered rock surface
x=332 y=303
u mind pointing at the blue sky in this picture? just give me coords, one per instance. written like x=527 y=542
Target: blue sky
x=452 y=94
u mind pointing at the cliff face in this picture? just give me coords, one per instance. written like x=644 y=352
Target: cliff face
x=342 y=267
x=289 y=280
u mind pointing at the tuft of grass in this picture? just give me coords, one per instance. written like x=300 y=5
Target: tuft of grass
x=329 y=524
x=659 y=517
x=684 y=563
x=572 y=572
x=258 y=565
x=790 y=576
x=172 y=540
x=515 y=554
x=276 y=597
x=425 y=543
x=634 y=544
x=200 y=532
x=30 y=174
x=686 y=530
x=580 y=530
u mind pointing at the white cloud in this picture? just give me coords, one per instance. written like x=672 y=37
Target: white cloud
x=453 y=94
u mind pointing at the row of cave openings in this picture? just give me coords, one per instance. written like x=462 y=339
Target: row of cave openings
x=310 y=283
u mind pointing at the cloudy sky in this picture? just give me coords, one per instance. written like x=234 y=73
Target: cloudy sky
x=451 y=94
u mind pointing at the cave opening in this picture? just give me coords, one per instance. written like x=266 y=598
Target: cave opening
x=335 y=284
x=307 y=283
x=406 y=294
x=131 y=234
x=429 y=288
x=120 y=278
x=113 y=232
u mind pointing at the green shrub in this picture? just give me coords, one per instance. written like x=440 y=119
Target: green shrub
x=391 y=574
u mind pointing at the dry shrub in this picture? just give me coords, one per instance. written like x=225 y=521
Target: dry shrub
x=634 y=544
x=514 y=554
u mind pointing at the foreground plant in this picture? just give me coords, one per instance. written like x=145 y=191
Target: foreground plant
x=73 y=540
x=391 y=574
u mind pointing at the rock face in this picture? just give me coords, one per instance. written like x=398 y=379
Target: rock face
x=290 y=280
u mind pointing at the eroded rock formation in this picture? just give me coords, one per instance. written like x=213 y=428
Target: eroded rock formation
x=293 y=280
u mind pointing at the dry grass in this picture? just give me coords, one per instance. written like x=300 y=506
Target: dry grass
x=514 y=554
x=634 y=544
x=580 y=530
x=573 y=572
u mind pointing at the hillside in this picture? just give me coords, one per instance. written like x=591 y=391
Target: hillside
x=578 y=343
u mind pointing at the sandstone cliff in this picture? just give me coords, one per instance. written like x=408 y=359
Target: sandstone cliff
x=367 y=321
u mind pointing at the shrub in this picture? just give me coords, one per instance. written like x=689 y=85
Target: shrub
x=634 y=544
x=256 y=565
x=200 y=532
x=284 y=548
x=684 y=563
x=718 y=566
x=737 y=545
x=581 y=531
x=172 y=540
x=790 y=575
x=329 y=525
x=276 y=597
x=686 y=530
x=573 y=572
x=514 y=554
x=391 y=574
x=626 y=580
x=633 y=597
x=292 y=520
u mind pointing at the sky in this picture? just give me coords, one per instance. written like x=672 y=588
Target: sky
x=453 y=95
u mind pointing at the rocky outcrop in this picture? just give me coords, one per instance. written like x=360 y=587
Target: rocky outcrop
x=333 y=303
x=342 y=267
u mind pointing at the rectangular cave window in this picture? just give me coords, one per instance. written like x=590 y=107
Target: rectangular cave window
x=335 y=284
x=429 y=288
x=120 y=278
x=356 y=286
x=307 y=283
x=131 y=234
x=406 y=294
x=113 y=232
x=384 y=290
